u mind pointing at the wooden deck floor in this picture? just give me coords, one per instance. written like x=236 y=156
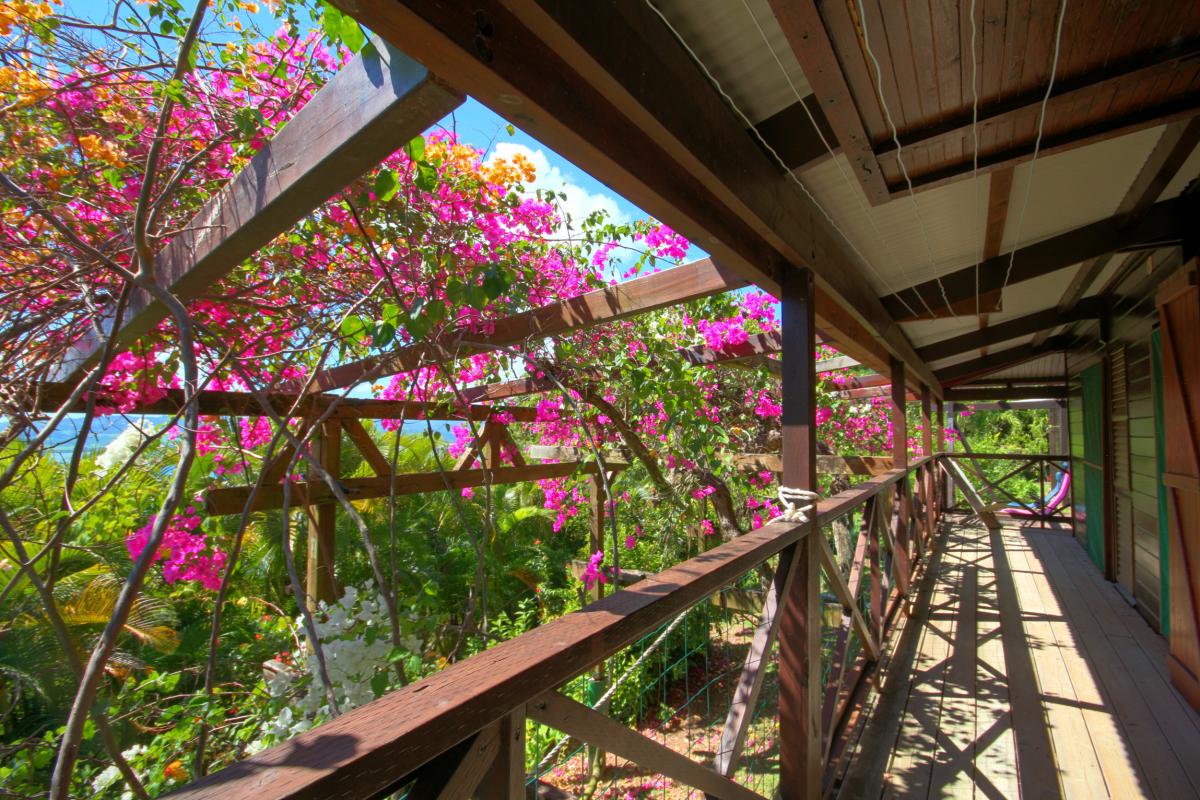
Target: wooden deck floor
x=1022 y=673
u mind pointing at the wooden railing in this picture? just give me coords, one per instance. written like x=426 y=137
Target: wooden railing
x=998 y=492
x=461 y=731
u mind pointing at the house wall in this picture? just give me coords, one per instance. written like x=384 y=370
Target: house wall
x=1131 y=553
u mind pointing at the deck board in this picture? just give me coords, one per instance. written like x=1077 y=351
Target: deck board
x=1025 y=675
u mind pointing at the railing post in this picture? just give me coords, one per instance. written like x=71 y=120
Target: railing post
x=321 y=583
x=505 y=780
x=800 y=769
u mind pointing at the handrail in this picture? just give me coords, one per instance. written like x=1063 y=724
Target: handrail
x=377 y=747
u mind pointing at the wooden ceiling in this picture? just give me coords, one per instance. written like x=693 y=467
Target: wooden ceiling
x=1122 y=65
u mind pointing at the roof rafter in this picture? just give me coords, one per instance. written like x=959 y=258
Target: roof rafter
x=1164 y=222
x=616 y=93
x=1001 y=359
x=1012 y=329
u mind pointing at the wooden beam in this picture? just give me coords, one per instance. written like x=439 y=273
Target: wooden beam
x=232 y=499
x=577 y=720
x=1012 y=329
x=1178 y=141
x=1066 y=93
x=1018 y=393
x=374 y=103
x=806 y=32
x=506 y=779
x=800 y=748
x=1164 y=222
x=610 y=304
x=792 y=135
x=967 y=370
x=245 y=404
x=616 y=93
x=363 y=442
x=514 y=388
x=999 y=193
x=473 y=766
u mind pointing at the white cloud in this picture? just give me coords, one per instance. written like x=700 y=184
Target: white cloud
x=579 y=203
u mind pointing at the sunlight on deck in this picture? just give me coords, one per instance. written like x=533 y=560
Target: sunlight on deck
x=1024 y=674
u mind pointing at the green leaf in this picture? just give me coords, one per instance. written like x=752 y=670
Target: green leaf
x=477 y=296
x=331 y=21
x=352 y=34
x=511 y=130
x=391 y=314
x=386 y=185
x=353 y=327
x=495 y=282
x=248 y=120
x=415 y=150
x=427 y=177
x=384 y=333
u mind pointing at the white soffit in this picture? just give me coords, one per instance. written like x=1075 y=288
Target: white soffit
x=1076 y=187
x=1047 y=366
x=899 y=237
x=726 y=40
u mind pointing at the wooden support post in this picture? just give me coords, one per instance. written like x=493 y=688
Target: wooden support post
x=899 y=417
x=800 y=769
x=597 y=501
x=940 y=443
x=506 y=778
x=927 y=504
x=322 y=519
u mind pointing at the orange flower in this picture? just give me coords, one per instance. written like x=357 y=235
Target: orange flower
x=175 y=771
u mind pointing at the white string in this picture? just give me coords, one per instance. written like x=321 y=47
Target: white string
x=975 y=153
x=854 y=190
x=1062 y=13
x=862 y=19
x=745 y=119
x=789 y=498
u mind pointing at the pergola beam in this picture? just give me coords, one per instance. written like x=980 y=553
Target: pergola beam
x=372 y=105
x=290 y=406
x=610 y=304
x=616 y=93
x=1164 y=222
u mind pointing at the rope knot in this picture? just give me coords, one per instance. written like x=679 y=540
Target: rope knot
x=791 y=497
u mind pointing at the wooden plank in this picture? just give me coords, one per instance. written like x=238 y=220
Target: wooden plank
x=232 y=499
x=1161 y=730
x=899 y=416
x=372 y=103
x=795 y=134
x=1165 y=221
x=610 y=304
x=577 y=720
x=995 y=763
x=806 y=33
x=1080 y=771
x=592 y=87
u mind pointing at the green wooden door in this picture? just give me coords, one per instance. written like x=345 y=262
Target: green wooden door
x=1092 y=380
